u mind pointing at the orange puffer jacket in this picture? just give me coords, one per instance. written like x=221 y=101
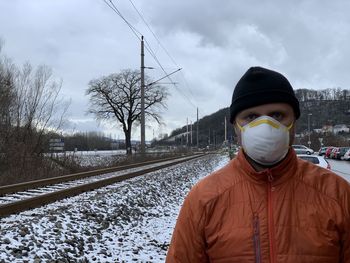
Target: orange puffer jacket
x=292 y=213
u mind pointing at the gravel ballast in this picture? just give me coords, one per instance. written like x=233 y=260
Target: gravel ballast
x=130 y=221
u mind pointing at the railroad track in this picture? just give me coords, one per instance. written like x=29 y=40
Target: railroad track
x=25 y=196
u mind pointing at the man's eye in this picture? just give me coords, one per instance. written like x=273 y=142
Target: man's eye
x=251 y=117
x=277 y=115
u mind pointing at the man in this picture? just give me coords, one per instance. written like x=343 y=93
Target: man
x=266 y=205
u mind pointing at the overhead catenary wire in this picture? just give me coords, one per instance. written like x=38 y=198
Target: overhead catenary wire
x=134 y=30
x=148 y=47
x=115 y=9
x=154 y=35
x=138 y=34
x=168 y=54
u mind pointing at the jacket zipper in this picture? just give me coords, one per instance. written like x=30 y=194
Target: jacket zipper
x=270 y=220
x=256 y=238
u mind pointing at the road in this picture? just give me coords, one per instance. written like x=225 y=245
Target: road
x=341 y=168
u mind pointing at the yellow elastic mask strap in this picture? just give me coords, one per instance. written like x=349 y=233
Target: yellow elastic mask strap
x=266 y=121
x=240 y=127
x=290 y=126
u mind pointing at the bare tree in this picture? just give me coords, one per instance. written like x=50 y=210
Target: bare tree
x=118 y=96
x=7 y=96
x=30 y=106
x=37 y=108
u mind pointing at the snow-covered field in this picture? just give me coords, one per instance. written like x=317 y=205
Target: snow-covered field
x=130 y=221
x=101 y=158
x=92 y=158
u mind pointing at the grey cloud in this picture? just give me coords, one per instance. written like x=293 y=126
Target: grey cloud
x=213 y=41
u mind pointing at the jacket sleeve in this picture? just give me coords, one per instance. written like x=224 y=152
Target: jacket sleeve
x=345 y=247
x=188 y=242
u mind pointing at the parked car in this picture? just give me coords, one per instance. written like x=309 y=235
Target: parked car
x=302 y=149
x=328 y=152
x=347 y=156
x=322 y=150
x=341 y=152
x=333 y=153
x=315 y=159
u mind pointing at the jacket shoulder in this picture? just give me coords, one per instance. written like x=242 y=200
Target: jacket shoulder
x=217 y=183
x=325 y=182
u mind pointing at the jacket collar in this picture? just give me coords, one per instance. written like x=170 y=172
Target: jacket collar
x=276 y=174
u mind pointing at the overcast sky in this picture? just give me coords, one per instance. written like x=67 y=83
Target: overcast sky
x=214 y=42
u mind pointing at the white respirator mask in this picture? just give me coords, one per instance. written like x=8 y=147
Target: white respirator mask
x=265 y=140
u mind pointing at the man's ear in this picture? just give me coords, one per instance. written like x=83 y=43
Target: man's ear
x=237 y=132
x=235 y=128
x=292 y=132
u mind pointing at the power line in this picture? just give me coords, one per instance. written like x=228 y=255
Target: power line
x=186 y=83
x=135 y=31
x=115 y=9
x=111 y=5
x=166 y=51
x=172 y=82
x=154 y=35
x=148 y=47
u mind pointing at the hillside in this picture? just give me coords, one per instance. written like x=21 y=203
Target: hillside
x=328 y=107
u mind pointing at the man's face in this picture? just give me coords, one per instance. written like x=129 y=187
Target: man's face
x=282 y=112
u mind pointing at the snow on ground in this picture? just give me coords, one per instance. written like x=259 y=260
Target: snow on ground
x=103 y=158
x=92 y=158
x=130 y=221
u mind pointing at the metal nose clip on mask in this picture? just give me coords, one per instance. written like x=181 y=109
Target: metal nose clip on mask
x=265 y=140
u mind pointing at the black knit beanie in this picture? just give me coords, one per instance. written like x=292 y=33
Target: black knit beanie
x=260 y=86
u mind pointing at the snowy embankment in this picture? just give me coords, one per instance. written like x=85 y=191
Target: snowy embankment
x=130 y=221
x=92 y=158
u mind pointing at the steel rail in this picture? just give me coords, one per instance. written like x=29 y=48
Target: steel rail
x=13 y=188
x=38 y=201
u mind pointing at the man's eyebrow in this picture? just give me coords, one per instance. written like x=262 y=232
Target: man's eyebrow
x=255 y=113
x=251 y=112
x=277 y=110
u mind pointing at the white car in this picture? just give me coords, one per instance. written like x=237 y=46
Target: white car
x=315 y=159
x=347 y=156
x=302 y=149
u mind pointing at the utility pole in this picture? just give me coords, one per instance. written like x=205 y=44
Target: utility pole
x=187 y=131
x=225 y=130
x=308 y=127
x=197 y=130
x=214 y=138
x=191 y=134
x=209 y=138
x=143 y=141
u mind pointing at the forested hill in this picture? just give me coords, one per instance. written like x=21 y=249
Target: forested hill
x=328 y=107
